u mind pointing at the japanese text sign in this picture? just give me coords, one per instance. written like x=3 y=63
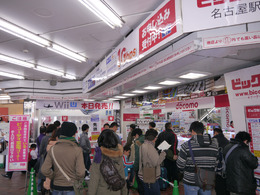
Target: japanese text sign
x=206 y=14
x=159 y=27
x=18 y=143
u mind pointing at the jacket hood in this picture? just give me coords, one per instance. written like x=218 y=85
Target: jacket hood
x=203 y=140
x=234 y=141
x=112 y=152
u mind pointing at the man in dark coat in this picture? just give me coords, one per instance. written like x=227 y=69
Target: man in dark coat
x=240 y=166
x=221 y=188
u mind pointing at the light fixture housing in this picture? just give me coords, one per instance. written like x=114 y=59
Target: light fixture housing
x=129 y=94
x=11 y=75
x=120 y=97
x=88 y=100
x=113 y=99
x=104 y=12
x=5 y=97
x=151 y=87
x=68 y=76
x=139 y=91
x=49 y=71
x=16 y=61
x=22 y=33
x=193 y=75
x=169 y=82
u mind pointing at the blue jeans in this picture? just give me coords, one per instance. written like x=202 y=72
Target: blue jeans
x=39 y=185
x=195 y=190
x=152 y=188
x=56 y=192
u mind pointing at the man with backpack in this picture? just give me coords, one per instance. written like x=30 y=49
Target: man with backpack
x=220 y=187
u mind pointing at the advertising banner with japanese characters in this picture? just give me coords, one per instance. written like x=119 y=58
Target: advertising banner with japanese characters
x=18 y=143
x=80 y=105
x=162 y=26
x=253 y=127
x=207 y=14
x=244 y=84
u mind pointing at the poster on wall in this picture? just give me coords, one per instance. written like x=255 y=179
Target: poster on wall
x=18 y=143
x=218 y=13
x=253 y=127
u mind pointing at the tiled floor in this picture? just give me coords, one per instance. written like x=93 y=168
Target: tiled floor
x=16 y=185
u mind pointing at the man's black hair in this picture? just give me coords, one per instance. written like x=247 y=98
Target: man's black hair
x=197 y=127
x=33 y=146
x=152 y=124
x=57 y=123
x=113 y=125
x=151 y=134
x=105 y=125
x=133 y=126
x=107 y=139
x=42 y=129
x=51 y=128
x=126 y=148
x=84 y=127
x=137 y=131
x=167 y=125
x=218 y=130
x=242 y=136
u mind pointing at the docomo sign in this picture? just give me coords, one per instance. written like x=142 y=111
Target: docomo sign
x=189 y=105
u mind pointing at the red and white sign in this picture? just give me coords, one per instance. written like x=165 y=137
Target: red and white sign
x=253 y=125
x=231 y=40
x=193 y=104
x=18 y=143
x=64 y=118
x=206 y=14
x=244 y=84
x=111 y=118
x=163 y=25
x=130 y=117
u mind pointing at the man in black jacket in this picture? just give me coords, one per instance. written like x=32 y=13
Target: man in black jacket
x=171 y=154
x=221 y=188
x=240 y=166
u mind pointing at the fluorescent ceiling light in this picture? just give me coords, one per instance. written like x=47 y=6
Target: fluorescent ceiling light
x=153 y=87
x=120 y=97
x=169 y=82
x=68 y=76
x=50 y=71
x=139 y=91
x=192 y=75
x=104 y=12
x=16 y=61
x=67 y=53
x=112 y=99
x=88 y=100
x=22 y=33
x=219 y=86
x=129 y=94
x=11 y=75
x=5 y=98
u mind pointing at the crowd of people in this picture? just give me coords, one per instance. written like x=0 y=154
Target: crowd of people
x=203 y=163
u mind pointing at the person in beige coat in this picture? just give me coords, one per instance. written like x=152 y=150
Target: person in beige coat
x=108 y=146
x=70 y=158
x=149 y=157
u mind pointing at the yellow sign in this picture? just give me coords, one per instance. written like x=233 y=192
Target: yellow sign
x=257 y=153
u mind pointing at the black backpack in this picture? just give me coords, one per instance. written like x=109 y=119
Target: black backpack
x=111 y=175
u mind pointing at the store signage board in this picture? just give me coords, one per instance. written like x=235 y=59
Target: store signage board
x=130 y=117
x=77 y=105
x=207 y=14
x=162 y=26
x=189 y=105
x=244 y=84
x=231 y=40
x=18 y=143
x=253 y=126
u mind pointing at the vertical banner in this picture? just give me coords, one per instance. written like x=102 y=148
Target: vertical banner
x=18 y=143
x=253 y=127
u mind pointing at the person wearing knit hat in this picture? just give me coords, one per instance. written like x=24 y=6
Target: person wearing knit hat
x=69 y=156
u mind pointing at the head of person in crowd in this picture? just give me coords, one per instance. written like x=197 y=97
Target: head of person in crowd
x=217 y=131
x=127 y=150
x=57 y=123
x=196 y=128
x=168 y=126
x=85 y=128
x=68 y=129
x=132 y=127
x=114 y=126
x=136 y=133
x=106 y=126
x=244 y=137
x=54 y=136
x=152 y=125
x=107 y=139
x=42 y=130
x=50 y=129
x=232 y=124
x=151 y=135
x=33 y=147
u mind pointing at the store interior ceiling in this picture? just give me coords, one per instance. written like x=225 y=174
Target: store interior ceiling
x=70 y=24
